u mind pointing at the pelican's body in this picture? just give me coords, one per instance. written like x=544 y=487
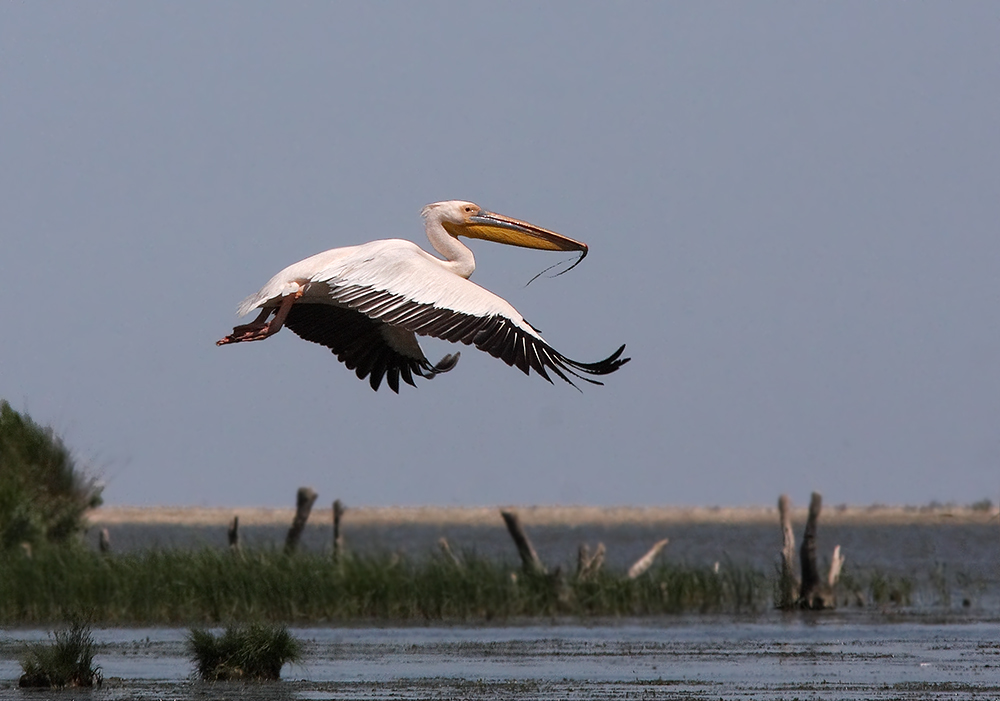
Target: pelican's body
x=367 y=303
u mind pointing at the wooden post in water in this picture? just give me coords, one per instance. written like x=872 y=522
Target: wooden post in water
x=583 y=558
x=338 y=539
x=789 y=583
x=646 y=561
x=233 y=534
x=836 y=564
x=530 y=562
x=305 y=498
x=104 y=541
x=587 y=564
x=449 y=553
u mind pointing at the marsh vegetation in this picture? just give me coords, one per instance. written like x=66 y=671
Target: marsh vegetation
x=210 y=586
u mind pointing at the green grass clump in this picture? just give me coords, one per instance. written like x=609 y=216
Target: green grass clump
x=254 y=652
x=67 y=661
x=208 y=587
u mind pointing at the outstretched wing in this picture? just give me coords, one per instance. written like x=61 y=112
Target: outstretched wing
x=367 y=346
x=405 y=288
x=510 y=339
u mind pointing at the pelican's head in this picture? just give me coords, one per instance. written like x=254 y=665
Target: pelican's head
x=461 y=218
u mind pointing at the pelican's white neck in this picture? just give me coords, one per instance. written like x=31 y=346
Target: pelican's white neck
x=458 y=257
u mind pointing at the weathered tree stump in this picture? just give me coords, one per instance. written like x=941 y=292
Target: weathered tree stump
x=530 y=561
x=788 y=584
x=811 y=591
x=646 y=561
x=814 y=593
x=338 y=539
x=305 y=498
x=233 y=534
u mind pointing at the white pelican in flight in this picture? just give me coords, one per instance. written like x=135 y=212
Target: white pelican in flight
x=368 y=303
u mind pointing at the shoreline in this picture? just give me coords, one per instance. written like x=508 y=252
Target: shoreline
x=543 y=515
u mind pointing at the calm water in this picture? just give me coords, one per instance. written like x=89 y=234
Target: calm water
x=779 y=657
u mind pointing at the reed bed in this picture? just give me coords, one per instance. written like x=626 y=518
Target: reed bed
x=208 y=586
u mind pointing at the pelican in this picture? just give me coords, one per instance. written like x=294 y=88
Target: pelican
x=368 y=303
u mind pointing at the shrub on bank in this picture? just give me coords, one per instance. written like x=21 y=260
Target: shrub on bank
x=43 y=494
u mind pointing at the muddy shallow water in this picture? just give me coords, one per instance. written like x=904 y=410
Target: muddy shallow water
x=772 y=657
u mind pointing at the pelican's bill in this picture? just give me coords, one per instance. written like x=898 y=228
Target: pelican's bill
x=513 y=232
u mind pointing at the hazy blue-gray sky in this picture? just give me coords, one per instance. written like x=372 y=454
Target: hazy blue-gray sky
x=792 y=212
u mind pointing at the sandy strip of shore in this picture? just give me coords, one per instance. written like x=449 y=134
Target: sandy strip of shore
x=539 y=515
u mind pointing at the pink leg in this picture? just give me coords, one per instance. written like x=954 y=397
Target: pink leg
x=260 y=328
